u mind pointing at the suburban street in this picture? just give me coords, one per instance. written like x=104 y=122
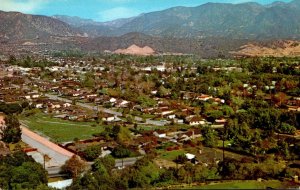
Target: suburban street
x=126 y=162
x=109 y=111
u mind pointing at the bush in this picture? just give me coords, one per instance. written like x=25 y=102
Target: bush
x=121 y=152
x=286 y=129
x=92 y=152
x=181 y=159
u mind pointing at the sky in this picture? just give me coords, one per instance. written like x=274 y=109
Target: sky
x=103 y=10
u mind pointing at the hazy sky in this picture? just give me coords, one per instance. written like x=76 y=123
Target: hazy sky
x=103 y=10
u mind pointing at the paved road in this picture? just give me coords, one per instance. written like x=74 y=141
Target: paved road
x=57 y=154
x=126 y=162
x=55 y=172
x=120 y=163
x=109 y=111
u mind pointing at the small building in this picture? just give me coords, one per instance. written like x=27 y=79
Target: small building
x=196 y=121
x=190 y=156
x=61 y=184
x=108 y=117
x=159 y=135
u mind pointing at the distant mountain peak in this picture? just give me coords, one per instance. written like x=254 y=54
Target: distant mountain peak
x=25 y=26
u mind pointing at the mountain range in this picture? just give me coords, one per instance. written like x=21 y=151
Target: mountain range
x=211 y=29
x=18 y=26
x=240 y=21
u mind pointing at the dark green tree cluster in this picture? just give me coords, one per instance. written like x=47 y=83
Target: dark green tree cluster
x=18 y=171
x=99 y=177
x=119 y=133
x=254 y=131
x=121 y=152
x=92 y=152
x=12 y=131
x=13 y=108
x=29 y=62
x=142 y=175
x=209 y=136
x=266 y=168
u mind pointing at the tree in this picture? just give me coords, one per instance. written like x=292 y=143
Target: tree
x=115 y=131
x=99 y=177
x=19 y=171
x=286 y=129
x=28 y=175
x=162 y=91
x=10 y=108
x=167 y=176
x=213 y=115
x=227 y=111
x=89 y=80
x=12 y=132
x=146 y=101
x=181 y=159
x=280 y=98
x=108 y=162
x=142 y=174
x=203 y=173
x=74 y=166
x=228 y=167
x=121 y=152
x=44 y=187
x=12 y=59
x=92 y=152
x=209 y=136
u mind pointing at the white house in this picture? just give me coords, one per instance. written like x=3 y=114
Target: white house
x=173 y=116
x=204 y=97
x=35 y=96
x=108 y=118
x=112 y=100
x=39 y=106
x=161 y=68
x=190 y=156
x=159 y=135
x=65 y=105
x=197 y=121
x=27 y=97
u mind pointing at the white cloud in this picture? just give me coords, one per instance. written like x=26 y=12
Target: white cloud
x=25 y=6
x=117 y=12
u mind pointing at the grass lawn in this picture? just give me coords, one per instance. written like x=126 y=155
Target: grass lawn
x=220 y=143
x=243 y=185
x=170 y=155
x=59 y=130
x=150 y=127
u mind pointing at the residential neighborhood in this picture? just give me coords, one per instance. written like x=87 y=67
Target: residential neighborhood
x=173 y=113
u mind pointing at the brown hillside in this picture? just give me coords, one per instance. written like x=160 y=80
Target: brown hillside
x=136 y=50
x=275 y=49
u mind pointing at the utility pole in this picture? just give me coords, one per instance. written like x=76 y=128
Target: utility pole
x=44 y=161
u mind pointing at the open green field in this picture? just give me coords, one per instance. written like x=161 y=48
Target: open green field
x=170 y=155
x=243 y=185
x=59 y=130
